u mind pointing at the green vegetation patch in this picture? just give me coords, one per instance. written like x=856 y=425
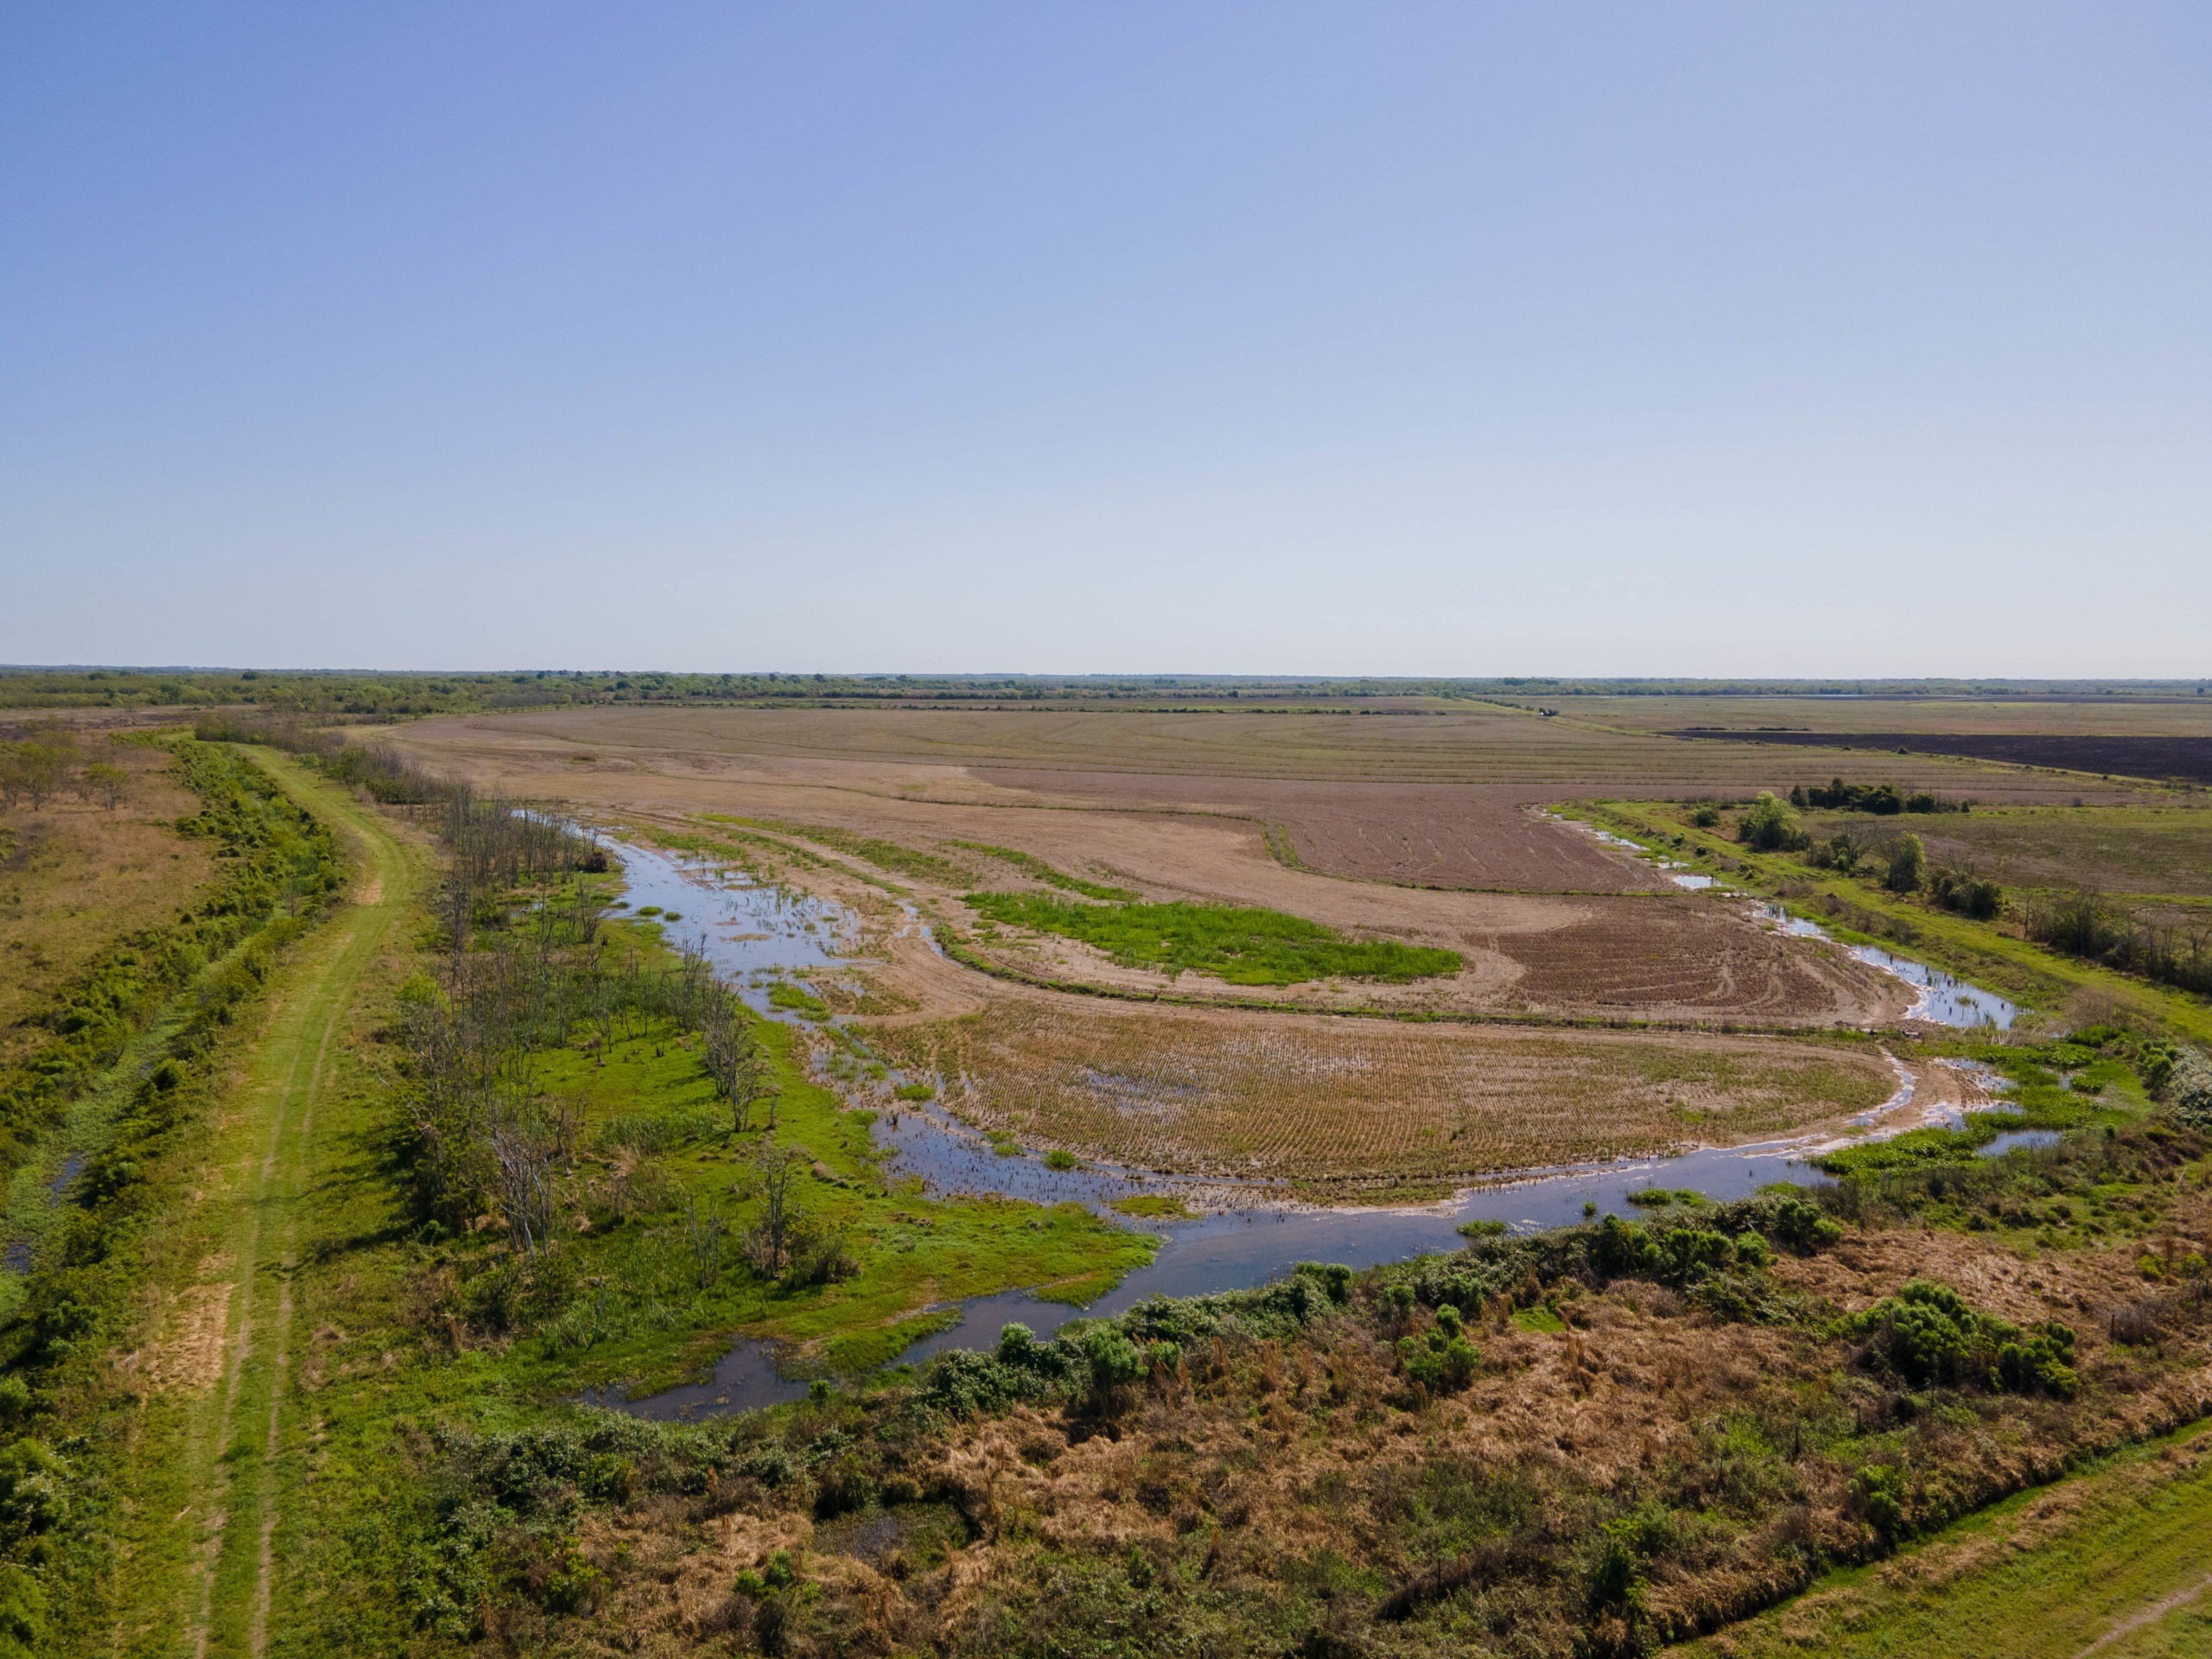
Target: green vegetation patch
x=796 y=999
x=1241 y=945
x=1153 y=1206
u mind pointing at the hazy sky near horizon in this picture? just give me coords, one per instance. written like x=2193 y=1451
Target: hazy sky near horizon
x=1591 y=339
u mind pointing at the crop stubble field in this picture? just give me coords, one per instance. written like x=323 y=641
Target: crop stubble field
x=1550 y=924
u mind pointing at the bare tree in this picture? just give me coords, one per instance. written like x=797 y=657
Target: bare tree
x=706 y=1237
x=525 y=1154
x=768 y=1247
x=739 y=1062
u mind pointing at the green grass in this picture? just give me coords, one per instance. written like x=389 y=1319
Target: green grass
x=1030 y=864
x=1156 y=1206
x=2043 y=1575
x=1239 y=944
x=796 y=999
x=2104 y=1091
x=301 y=1441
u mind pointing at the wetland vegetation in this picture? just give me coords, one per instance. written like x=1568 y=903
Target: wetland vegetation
x=369 y=1147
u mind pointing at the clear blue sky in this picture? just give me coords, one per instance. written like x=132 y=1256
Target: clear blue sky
x=1426 y=339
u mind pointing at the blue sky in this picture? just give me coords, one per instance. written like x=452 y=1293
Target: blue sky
x=1422 y=339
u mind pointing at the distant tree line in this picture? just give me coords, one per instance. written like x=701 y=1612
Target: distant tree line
x=1881 y=799
x=388 y=775
x=2089 y=925
x=400 y=694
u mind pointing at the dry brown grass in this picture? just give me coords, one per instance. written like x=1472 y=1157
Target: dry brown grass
x=1284 y=1096
x=1263 y=1468
x=75 y=876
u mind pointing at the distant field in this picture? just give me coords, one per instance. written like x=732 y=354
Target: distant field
x=2153 y=850
x=2182 y=715
x=2132 y=755
x=1292 y=1097
x=2112 y=1563
x=1448 y=744
x=75 y=875
x=1420 y=828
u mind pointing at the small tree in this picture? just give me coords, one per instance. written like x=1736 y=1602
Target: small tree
x=738 y=1061
x=107 y=784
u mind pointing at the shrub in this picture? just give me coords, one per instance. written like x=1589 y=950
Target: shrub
x=1907 y=868
x=1928 y=1333
x=2188 y=1087
x=1803 y=1226
x=1966 y=892
x=1444 y=1360
x=1768 y=825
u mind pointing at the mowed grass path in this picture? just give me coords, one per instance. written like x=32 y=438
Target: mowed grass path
x=2113 y=1563
x=202 y=1537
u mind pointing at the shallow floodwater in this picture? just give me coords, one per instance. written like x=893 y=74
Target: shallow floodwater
x=1242 y=1250
x=1942 y=999
x=745 y=927
x=2013 y=1139
x=750 y=929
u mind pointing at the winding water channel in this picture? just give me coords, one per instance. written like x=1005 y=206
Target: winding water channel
x=752 y=932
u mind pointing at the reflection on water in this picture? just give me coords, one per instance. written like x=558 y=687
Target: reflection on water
x=1942 y=999
x=1242 y=1250
x=745 y=1379
x=745 y=927
x=2012 y=1139
x=749 y=928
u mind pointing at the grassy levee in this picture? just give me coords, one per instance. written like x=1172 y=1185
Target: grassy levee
x=2110 y=1561
x=274 y=1498
x=223 y=1442
x=2028 y=973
